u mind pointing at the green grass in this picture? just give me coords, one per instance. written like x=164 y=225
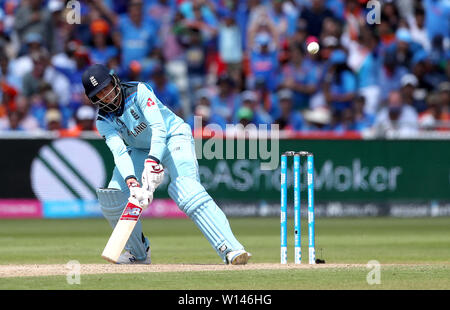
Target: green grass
x=422 y=242
x=406 y=278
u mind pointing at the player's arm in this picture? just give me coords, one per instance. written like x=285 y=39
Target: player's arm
x=124 y=163
x=148 y=103
x=118 y=149
x=153 y=173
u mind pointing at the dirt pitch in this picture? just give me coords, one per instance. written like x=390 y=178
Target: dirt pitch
x=8 y=271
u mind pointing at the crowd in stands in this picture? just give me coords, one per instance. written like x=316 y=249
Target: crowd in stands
x=383 y=66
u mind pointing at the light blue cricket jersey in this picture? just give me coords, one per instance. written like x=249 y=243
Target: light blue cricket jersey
x=142 y=122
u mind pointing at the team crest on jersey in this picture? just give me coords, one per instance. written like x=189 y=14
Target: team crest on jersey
x=150 y=102
x=135 y=115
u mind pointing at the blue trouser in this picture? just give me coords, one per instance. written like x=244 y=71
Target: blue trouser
x=180 y=163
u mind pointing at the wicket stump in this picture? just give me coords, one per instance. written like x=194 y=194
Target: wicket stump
x=297 y=206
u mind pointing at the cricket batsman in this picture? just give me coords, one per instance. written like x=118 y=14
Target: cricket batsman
x=146 y=140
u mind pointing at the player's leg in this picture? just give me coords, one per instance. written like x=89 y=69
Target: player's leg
x=191 y=197
x=113 y=200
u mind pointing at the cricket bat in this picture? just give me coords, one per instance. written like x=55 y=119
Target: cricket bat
x=122 y=232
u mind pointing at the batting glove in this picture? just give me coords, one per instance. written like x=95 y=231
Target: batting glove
x=153 y=174
x=140 y=196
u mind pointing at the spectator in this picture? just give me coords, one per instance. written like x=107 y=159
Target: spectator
x=33 y=81
x=390 y=75
x=4 y=120
x=166 y=91
x=114 y=64
x=261 y=23
x=283 y=21
x=44 y=101
x=4 y=36
x=7 y=74
x=12 y=122
x=203 y=112
x=64 y=61
x=134 y=71
x=386 y=32
x=161 y=12
x=260 y=45
x=9 y=9
x=154 y=60
x=85 y=118
x=300 y=34
x=240 y=10
x=363 y=60
x=437 y=18
x=53 y=120
x=195 y=54
x=230 y=47
x=404 y=48
x=169 y=22
x=421 y=69
x=363 y=120
x=259 y=115
x=328 y=46
x=344 y=121
x=405 y=8
x=138 y=34
x=82 y=60
x=267 y=98
x=317 y=119
x=410 y=96
x=444 y=92
x=437 y=59
x=44 y=73
x=340 y=83
x=332 y=28
x=245 y=116
x=118 y=6
x=103 y=48
x=417 y=27
x=226 y=102
x=337 y=7
x=437 y=114
x=24 y=64
x=200 y=14
x=26 y=121
x=390 y=11
x=315 y=16
x=38 y=107
x=289 y=118
x=354 y=16
x=397 y=119
x=33 y=17
x=264 y=62
x=56 y=7
x=301 y=76
x=8 y=96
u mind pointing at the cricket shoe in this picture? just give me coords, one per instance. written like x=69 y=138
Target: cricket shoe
x=128 y=258
x=239 y=257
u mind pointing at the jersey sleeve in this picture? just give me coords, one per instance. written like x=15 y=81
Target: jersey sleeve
x=118 y=149
x=149 y=105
